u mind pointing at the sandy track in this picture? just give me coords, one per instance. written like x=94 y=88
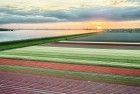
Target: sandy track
x=13 y=83
x=71 y=67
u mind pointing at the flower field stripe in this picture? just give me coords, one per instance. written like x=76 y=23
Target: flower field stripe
x=130 y=80
x=22 y=83
x=71 y=67
x=104 y=57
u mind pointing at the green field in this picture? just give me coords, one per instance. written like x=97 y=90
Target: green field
x=89 y=56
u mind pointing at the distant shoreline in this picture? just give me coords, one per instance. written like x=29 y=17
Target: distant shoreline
x=2 y=29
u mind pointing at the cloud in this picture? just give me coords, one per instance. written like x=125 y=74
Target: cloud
x=13 y=15
x=110 y=13
x=28 y=19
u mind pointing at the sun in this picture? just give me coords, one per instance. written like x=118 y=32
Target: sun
x=99 y=27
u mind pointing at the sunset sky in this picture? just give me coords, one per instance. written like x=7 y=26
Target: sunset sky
x=69 y=14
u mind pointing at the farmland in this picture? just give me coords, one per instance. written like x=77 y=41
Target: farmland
x=75 y=59
x=78 y=56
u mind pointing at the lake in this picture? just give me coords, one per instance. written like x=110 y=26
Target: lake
x=32 y=34
x=100 y=36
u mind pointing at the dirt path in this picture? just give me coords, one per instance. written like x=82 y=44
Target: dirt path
x=71 y=67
